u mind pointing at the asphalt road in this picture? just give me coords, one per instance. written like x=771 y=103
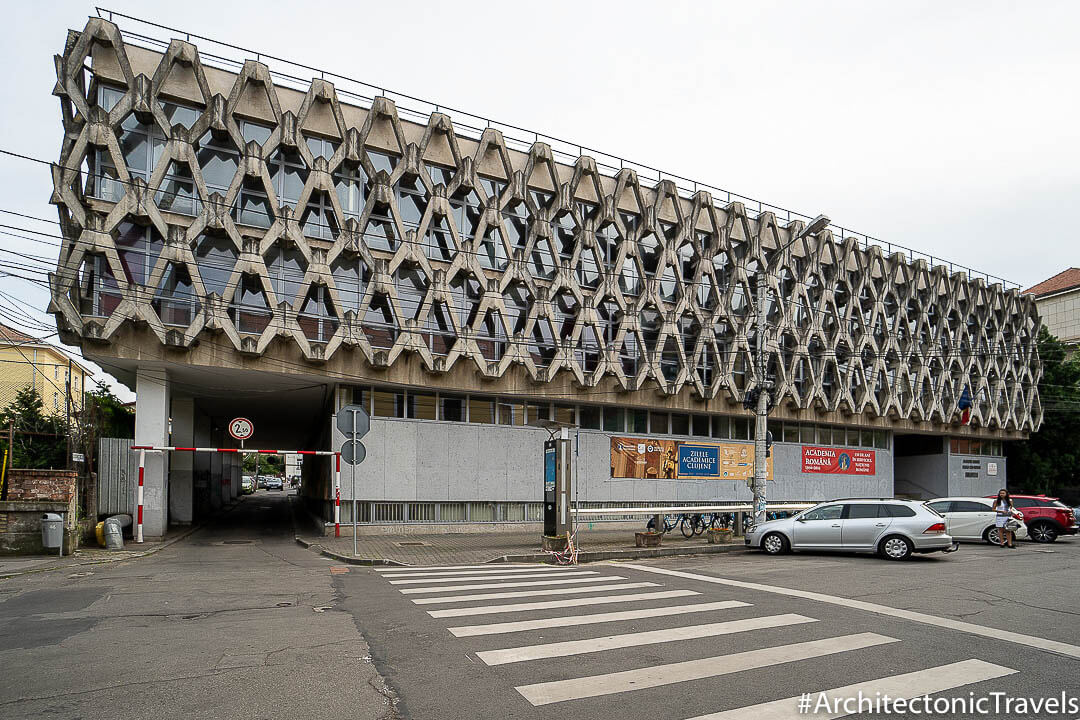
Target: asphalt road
x=475 y=660
x=237 y=621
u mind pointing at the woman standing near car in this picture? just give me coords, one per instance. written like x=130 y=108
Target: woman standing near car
x=1004 y=510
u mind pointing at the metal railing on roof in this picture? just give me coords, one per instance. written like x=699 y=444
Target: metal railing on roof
x=515 y=136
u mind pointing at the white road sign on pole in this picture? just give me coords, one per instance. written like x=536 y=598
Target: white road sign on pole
x=241 y=428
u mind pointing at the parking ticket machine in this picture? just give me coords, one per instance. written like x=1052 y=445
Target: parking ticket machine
x=557 y=484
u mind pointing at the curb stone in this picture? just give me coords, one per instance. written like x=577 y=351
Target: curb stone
x=583 y=557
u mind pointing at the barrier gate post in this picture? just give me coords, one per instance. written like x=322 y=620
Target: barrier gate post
x=138 y=525
x=337 y=495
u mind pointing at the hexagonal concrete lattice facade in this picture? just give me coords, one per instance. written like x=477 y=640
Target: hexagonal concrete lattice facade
x=198 y=203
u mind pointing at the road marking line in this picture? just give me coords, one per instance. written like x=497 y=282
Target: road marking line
x=449 y=573
x=570 y=620
x=417 y=581
x=906 y=686
x=439 y=568
x=491 y=586
x=612 y=642
x=959 y=625
x=659 y=675
x=535 y=593
x=552 y=604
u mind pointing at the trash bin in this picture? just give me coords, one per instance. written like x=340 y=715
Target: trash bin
x=52 y=530
x=114 y=534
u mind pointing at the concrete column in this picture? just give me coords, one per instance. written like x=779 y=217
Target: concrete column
x=219 y=464
x=182 y=464
x=152 y=428
x=202 y=466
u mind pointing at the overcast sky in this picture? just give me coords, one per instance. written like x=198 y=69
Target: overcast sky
x=948 y=127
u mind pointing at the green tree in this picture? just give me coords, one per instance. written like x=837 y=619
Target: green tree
x=40 y=441
x=268 y=464
x=106 y=415
x=1049 y=461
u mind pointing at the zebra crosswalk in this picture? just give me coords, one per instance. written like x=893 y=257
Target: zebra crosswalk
x=632 y=614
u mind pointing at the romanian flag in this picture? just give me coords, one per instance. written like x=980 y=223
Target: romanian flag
x=964 y=406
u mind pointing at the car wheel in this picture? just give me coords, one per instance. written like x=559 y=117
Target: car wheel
x=895 y=547
x=1043 y=532
x=775 y=544
x=992 y=535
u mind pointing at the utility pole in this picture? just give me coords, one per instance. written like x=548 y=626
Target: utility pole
x=764 y=386
x=761 y=412
x=67 y=392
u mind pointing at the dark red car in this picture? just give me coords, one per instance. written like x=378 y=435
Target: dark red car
x=1046 y=518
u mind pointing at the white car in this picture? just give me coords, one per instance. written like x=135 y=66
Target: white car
x=972 y=518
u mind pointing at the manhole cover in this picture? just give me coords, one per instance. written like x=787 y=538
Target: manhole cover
x=411 y=543
x=236 y=542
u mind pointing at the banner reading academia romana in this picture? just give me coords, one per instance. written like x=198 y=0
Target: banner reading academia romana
x=647 y=458
x=838 y=461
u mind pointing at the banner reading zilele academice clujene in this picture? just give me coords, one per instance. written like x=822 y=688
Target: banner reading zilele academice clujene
x=648 y=458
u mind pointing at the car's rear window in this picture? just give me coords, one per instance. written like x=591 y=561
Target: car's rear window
x=900 y=510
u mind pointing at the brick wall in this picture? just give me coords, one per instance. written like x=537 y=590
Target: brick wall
x=38 y=485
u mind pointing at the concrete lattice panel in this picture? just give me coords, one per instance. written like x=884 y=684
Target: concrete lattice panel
x=600 y=277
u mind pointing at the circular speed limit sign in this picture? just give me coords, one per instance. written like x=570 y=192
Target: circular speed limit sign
x=241 y=428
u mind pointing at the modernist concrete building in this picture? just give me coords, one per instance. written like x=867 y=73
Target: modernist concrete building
x=238 y=242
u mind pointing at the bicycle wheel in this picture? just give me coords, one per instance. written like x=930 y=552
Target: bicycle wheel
x=699 y=524
x=670 y=523
x=686 y=527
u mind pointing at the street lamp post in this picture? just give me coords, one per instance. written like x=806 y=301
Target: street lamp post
x=764 y=388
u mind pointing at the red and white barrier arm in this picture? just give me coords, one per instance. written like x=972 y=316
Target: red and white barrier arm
x=172 y=448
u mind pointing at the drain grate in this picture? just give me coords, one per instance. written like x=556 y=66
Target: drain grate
x=236 y=542
x=412 y=543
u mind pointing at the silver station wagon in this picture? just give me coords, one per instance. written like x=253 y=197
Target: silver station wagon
x=890 y=527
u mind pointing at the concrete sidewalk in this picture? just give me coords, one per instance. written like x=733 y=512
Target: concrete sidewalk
x=493 y=547
x=89 y=555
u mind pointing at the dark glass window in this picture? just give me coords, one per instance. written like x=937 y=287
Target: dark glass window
x=590 y=417
x=861 y=512
x=452 y=407
x=249 y=310
x=286 y=267
x=215 y=257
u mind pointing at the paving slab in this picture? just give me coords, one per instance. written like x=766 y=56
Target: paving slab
x=495 y=547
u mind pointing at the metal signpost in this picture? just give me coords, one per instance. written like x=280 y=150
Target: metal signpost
x=353 y=422
x=243 y=429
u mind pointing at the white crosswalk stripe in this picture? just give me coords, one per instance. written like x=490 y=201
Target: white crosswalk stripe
x=611 y=642
x=489 y=571
x=535 y=593
x=416 y=581
x=476 y=590
x=697 y=669
x=551 y=604
x=440 y=568
x=907 y=686
x=493 y=585
x=572 y=620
